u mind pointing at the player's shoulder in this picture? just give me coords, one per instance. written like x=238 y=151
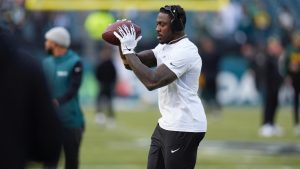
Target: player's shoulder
x=74 y=58
x=188 y=43
x=185 y=46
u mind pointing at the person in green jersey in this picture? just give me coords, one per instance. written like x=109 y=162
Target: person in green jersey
x=63 y=68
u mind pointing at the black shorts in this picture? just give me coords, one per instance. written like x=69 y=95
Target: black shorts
x=173 y=149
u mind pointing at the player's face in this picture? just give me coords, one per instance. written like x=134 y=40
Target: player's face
x=49 y=45
x=163 y=28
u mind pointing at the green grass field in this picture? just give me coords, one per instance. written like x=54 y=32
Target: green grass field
x=231 y=142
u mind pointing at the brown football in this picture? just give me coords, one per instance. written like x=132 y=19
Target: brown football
x=108 y=34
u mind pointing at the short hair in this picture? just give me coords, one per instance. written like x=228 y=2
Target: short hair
x=177 y=13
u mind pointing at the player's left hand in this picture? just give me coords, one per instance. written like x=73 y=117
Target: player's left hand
x=127 y=39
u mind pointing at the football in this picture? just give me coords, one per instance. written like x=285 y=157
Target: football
x=108 y=34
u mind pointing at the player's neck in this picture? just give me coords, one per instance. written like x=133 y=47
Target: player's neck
x=178 y=38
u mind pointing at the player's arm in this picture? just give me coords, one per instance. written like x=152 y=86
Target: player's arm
x=146 y=57
x=151 y=78
x=124 y=59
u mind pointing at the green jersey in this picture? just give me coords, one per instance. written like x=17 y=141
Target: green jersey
x=59 y=71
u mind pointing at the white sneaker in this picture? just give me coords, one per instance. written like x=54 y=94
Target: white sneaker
x=297 y=130
x=100 y=118
x=266 y=130
x=269 y=130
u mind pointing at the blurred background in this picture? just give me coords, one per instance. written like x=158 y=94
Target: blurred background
x=239 y=30
x=234 y=40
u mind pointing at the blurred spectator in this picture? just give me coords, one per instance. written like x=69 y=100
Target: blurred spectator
x=273 y=80
x=248 y=51
x=106 y=75
x=64 y=69
x=210 y=58
x=246 y=23
x=256 y=59
x=292 y=72
x=40 y=23
x=13 y=13
x=29 y=125
x=262 y=27
x=286 y=25
x=241 y=22
x=224 y=22
x=63 y=20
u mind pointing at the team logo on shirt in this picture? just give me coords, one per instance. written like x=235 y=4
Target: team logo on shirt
x=62 y=73
x=173 y=151
x=172 y=64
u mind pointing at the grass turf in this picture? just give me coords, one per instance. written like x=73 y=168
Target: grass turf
x=126 y=146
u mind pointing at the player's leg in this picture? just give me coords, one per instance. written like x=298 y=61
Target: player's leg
x=266 y=129
x=296 y=87
x=297 y=105
x=53 y=164
x=109 y=95
x=108 y=90
x=71 y=144
x=276 y=129
x=267 y=118
x=273 y=103
x=100 y=114
x=181 y=149
x=155 y=156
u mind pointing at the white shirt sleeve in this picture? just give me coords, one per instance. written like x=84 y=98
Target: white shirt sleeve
x=179 y=63
x=156 y=50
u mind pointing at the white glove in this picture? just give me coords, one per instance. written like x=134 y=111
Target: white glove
x=127 y=39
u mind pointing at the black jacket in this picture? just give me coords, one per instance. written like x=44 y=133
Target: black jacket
x=106 y=72
x=29 y=127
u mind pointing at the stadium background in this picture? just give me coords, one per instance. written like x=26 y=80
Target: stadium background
x=230 y=23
